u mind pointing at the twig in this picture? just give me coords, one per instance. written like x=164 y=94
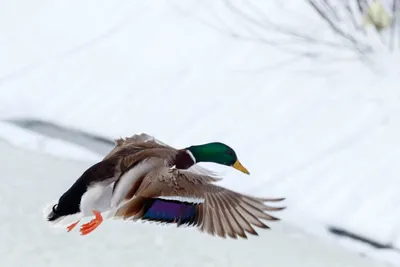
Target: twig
x=361 y=5
x=340 y=32
x=280 y=45
x=352 y=17
x=270 y=25
x=330 y=9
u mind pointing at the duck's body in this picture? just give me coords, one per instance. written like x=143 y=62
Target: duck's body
x=102 y=186
x=142 y=178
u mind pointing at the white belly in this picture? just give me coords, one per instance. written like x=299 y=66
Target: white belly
x=97 y=197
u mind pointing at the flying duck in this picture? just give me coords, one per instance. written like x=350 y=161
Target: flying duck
x=145 y=179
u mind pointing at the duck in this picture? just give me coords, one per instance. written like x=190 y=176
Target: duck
x=142 y=178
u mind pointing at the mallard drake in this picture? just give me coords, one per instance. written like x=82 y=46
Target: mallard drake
x=143 y=178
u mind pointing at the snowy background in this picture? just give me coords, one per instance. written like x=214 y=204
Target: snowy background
x=322 y=133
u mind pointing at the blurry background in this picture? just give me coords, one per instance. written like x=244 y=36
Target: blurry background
x=306 y=92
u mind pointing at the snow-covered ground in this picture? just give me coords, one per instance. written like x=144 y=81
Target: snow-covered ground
x=325 y=139
x=30 y=140
x=26 y=239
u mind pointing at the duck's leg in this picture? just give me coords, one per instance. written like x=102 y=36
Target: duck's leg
x=93 y=224
x=72 y=226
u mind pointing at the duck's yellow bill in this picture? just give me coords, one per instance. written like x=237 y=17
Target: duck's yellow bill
x=238 y=166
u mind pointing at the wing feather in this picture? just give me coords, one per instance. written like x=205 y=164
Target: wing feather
x=223 y=212
x=215 y=218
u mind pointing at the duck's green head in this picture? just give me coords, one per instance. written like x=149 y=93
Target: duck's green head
x=217 y=153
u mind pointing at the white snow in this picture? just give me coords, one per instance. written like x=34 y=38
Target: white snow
x=325 y=138
x=33 y=141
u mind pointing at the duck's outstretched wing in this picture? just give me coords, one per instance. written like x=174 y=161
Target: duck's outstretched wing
x=142 y=141
x=186 y=198
x=134 y=144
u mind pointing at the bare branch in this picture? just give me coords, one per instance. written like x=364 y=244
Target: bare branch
x=344 y=21
x=280 y=29
x=361 y=48
x=361 y=6
x=352 y=17
x=331 y=10
x=226 y=31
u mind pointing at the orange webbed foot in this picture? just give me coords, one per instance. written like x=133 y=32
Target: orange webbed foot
x=72 y=226
x=93 y=224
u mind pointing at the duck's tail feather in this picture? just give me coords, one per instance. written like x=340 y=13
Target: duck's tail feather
x=56 y=220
